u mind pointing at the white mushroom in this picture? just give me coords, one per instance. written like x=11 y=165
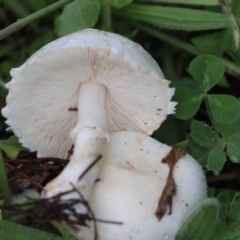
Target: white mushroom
x=130 y=188
x=112 y=83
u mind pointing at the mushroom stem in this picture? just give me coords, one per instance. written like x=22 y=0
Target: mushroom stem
x=83 y=167
x=91 y=106
x=89 y=138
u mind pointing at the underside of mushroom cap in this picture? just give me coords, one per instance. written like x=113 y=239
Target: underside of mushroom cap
x=47 y=84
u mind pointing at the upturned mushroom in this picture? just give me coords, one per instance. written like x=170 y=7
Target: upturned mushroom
x=148 y=187
x=76 y=90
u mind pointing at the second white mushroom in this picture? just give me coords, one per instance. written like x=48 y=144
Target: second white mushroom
x=133 y=185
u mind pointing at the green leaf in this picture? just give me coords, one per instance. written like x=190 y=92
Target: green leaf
x=37 y=5
x=199 y=225
x=233 y=149
x=223 y=231
x=4 y=186
x=174 y=17
x=202 y=134
x=181 y=145
x=25 y=197
x=77 y=15
x=234 y=209
x=192 y=2
x=231 y=49
x=11 y=146
x=225 y=198
x=213 y=158
x=225 y=109
x=188 y=101
x=198 y=152
x=207 y=70
x=65 y=232
x=227 y=130
x=216 y=159
x=211 y=43
x=120 y=3
x=10 y=231
x=188 y=83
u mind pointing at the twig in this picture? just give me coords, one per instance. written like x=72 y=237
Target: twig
x=33 y=182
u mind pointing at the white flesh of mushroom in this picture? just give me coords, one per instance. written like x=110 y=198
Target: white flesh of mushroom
x=129 y=185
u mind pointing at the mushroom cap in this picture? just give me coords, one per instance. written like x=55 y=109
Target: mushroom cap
x=44 y=88
x=130 y=184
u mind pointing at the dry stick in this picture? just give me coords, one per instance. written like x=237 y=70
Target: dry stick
x=45 y=167
x=45 y=176
x=90 y=166
x=50 y=159
x=33 y=182
x=19 y=169
x=37 y=160
x=16 y=160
